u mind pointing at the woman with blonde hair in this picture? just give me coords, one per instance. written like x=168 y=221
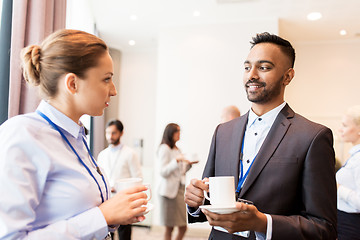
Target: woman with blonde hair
x=51 y=186
x=348 y=178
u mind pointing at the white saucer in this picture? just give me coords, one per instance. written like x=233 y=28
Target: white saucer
x=149 y=207
x=220 y=210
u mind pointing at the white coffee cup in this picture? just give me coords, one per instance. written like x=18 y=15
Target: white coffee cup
x=125 y=183
x=222 y=191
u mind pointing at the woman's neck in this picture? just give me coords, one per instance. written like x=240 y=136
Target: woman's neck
x=66 y=108
x=357 y=142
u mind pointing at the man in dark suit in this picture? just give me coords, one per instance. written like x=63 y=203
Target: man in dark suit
x=285 y=163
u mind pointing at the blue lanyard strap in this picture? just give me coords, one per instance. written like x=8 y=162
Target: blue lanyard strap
x=243 y=177
x=80 y=160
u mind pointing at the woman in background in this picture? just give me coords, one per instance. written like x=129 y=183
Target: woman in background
x=50 y=185
x=348 y=179
x=172 y=182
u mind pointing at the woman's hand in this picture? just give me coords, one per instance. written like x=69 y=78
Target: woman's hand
x=126 y=207
x=180 y=158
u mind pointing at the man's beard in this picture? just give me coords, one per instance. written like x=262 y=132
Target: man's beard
x=266 y=95
x=115 y=142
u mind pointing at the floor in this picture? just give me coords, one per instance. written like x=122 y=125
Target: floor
x=141 y=233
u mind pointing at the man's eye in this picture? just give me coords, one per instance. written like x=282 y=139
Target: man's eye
x=247 y=68
x=264 y=68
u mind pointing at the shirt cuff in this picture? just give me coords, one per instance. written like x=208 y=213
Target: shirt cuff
x=90 y=224
x=268 y=227
x=194 y=212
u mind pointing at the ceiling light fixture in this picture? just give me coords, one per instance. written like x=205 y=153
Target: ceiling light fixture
x=196 y=13
x=343 y=32
x=131 y=42
x=314 y=16
x=133 y=17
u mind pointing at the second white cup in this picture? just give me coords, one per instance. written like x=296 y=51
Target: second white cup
x=126 y=183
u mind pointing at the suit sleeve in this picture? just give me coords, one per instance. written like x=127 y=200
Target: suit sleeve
x=209 y=171
x=318 y=218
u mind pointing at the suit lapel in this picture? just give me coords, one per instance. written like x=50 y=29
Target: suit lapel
x=271 y=142
x=236 y=139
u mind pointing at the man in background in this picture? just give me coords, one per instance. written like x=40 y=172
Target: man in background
x=229 y=113
x=119 y=161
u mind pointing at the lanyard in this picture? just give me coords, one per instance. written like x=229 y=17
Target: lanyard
x=80 y=160
x=243 y=176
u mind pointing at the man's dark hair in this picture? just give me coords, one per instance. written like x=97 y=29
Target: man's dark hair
x=116 y=123
x=168 y=136
x=284 y=45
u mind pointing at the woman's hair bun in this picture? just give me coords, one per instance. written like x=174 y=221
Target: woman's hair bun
x=31 y=64
x=35 y=57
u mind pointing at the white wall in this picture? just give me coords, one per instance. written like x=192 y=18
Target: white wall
x=326 y=83
x=200 y=72
x=79 y=19
x=137 y=93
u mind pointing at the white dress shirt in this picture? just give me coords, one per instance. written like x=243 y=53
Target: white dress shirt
x=257 y=129
x=348 y=195
x=45 y=191
x=118 y=162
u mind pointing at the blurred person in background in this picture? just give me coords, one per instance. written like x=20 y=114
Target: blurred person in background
x=229 y=113
x=119 y=161
x=348 y=178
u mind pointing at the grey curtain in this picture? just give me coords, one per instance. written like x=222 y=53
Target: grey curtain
x=5 y=43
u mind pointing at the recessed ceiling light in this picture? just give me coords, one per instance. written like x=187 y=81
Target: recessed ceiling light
x=131 y=42
x=196 y=13
x=314 y=16
x=343 y=32
x=133 y=17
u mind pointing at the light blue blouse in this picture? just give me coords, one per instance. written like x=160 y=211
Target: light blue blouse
x=45 y=191
x=349 y=179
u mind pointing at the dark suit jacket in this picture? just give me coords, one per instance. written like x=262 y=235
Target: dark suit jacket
x=292 y=178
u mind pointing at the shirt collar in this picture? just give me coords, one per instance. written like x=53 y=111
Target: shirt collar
x=267 y=118
x=61 y=120
x=354 y=149
x=117 y=147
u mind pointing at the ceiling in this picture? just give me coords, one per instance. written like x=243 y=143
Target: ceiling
x=113 y=21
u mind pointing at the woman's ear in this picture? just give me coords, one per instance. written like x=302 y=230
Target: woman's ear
x=71 y=83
